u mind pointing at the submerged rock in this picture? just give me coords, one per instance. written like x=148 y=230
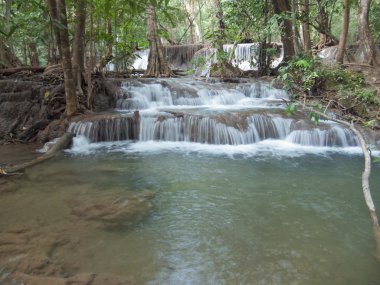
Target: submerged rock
x=110 y=210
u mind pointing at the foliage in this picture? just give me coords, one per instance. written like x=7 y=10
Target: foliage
x=350 y=86
x=291 y=109
x=300 y=74
x=304 y=76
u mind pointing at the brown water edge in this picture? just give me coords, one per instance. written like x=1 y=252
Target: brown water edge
x=14 y=154
x=38 y=250
x=18 y=153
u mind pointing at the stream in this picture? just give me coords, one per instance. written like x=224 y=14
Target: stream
x=242 y=193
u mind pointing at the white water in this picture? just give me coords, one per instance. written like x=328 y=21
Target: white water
x=190 y=93
x=243 y=56
x=188 y=115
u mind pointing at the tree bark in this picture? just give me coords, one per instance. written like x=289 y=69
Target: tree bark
x=344 y=33
x=325 y=38
x=157 y=63
x=33 y=54
x=7 y=57
x=221 y=34
x=8 y=14
x=91 y=59
x=192 y=17
x=306 y=27
x=367 y=49
x=53 y=11
x=79 y=43
x=70 y=92
x=285 y=24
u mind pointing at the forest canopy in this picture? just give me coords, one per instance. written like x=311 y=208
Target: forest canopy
x=120 y=26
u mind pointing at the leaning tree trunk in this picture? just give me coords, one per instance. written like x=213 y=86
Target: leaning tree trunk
x=282 y=7
x=71 y=98
x=367 y=48
x=344 y=33
x=79 y=43
x=157 y=63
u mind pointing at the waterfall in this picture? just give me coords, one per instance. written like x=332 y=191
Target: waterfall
x=185 y=110
x=178 y=56
x=334 y=137
x=209 y=130
x=141 y=61
x=144 y=97
x=245 y=55
x=105 y=129
x=175 y=93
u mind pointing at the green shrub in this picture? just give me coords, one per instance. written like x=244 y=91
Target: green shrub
x=306 y=76
x=300 y=74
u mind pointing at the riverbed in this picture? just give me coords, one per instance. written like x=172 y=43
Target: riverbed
x=218 y=216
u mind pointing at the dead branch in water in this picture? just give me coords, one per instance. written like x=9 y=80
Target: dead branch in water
x=62 y=143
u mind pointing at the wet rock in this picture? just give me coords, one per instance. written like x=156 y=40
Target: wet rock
x=121 y=210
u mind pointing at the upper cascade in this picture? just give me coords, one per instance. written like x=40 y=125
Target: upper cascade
x=169 y=93
x=243 y=55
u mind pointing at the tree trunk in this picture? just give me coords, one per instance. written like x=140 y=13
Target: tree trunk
x=157 y=63
x=194 y=27
x=264 y=61
x=79 y=43
x=220 y=35
x=306 y=27
x=296 y=34
x=110 y=38
x=91 y=59
x=7 y=57
x=8 y=15
x=71 y=98
x=33 y=54
x=325 y=38
x=282 y=7
x=367 y=48
x=53 y=11
x=344 y=33
x=25 y=53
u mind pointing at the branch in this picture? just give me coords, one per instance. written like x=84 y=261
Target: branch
x=10 y=71
x=367 y=165
x=62 y=143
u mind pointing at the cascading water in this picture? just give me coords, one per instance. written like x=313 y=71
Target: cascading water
x=243 y=194
x=208 y=113
x=243 y=56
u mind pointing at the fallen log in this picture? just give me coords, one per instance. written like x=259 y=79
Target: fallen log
x=10 y=71
x=62 y=143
